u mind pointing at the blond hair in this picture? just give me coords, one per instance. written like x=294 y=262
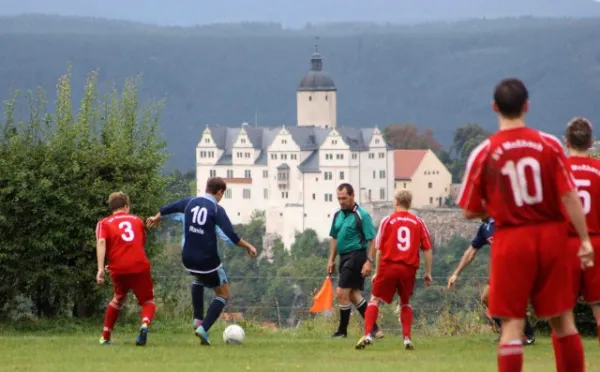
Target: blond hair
x=118 y=200
x=404 y=198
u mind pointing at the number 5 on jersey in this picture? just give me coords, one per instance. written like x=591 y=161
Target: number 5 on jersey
x=586 y=198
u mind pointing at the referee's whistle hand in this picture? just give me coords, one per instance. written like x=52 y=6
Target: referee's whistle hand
x=367 y=269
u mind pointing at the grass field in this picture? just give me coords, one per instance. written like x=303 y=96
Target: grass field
x=288 y=350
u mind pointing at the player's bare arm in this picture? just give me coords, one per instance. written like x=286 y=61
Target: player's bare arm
x=377 y=260
x=428 y=264
x=470 y=215
x=248 y=247
x=332 y=255
x=100 y=256
x=367 y=268
x=465 y=261
x=574 y=209
x=153 y=221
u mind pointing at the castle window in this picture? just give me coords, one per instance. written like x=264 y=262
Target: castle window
x=382 y=174
x=229 y=174
x=243 y=140
x=381 y=155
x=265 y=174
x=354 y=156
x=309 y=98
x=247 y=155
x=207 y=140
x=341 y=176
x=284 y=141
x=247 y=173
x=266 y=193
x=334 y=142
x=328 y=197
x=326 y=98
x=430 y=185
x=382 y=193
x=328 y=176
x=314 y=196
x=228 y=193
x=371 y=155
x=213 y=173
x=377 y=141
x=246 y=194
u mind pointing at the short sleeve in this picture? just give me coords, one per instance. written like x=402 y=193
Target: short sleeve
x=470 y=197
x=333 y=231
x=367 y=225
x=425 y=236
x=479 y=240
x=101 y=231
x=381 y=231
x=565 y=181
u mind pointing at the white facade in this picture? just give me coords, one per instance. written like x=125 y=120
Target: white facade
x=292 y=173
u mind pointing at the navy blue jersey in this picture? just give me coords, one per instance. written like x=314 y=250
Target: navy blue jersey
x=201 y=217
x=484 y=235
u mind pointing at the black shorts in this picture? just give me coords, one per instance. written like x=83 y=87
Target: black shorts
x=211 y=280
x=351 y=270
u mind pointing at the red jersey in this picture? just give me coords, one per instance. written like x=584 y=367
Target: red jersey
x=587 y=179
x=399 y=238
x=518 y=176
x=125 y=239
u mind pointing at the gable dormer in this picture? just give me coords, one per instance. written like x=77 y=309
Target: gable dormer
x=334 y=141
x=207 y=140
x=377 y=140
x=243 y=140
x=283 y=142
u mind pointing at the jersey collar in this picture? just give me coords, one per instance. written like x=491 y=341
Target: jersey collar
x=209 y=197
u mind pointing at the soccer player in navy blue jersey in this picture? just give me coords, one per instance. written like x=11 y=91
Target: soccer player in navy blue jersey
x=200 y=256
x=484 y=237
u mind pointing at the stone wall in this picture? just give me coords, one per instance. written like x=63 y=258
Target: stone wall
x=443 y=223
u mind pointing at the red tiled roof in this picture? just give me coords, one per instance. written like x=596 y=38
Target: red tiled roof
x=406 y=163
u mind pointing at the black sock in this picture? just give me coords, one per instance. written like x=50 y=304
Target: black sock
x=498 y=322
x=198 y=300
x=529 y=332
x=344 y=318
x=214 y=311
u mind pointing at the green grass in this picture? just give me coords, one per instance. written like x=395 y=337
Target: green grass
x=289 y=350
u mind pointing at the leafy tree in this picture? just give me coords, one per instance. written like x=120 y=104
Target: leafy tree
x=466 y=138
x=57 y=171
x=407 y=136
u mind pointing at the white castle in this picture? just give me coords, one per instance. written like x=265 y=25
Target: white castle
x=291 y=173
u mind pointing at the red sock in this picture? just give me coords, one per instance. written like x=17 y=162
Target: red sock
x=406 y=319
x=112 y=314
x=371 y=317
x=571 y=351
x=560 y=367
x=148 y=310
x=510 y=357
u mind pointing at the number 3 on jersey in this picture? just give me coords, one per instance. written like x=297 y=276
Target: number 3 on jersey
x=128 y=234
x=523 y=193
x=586 y=198
x=403 y=236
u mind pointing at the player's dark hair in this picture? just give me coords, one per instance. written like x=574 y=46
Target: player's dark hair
x=579 y=134
x=346 y=186
x=118 y=200
x=510 y=97
x=215 y=184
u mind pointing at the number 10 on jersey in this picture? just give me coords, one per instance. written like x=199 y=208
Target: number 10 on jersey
x=524 y=193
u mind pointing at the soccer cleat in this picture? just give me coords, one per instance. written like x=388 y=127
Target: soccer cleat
x=202 y=335
x=528 y=341
x=142 y=335
x=339 y=334
x=408 y=345
x=104 y=342
x=363 y=342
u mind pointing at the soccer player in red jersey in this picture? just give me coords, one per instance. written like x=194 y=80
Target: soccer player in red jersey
x=519 y=177
x=586 y=170
x=397 y=243
x=121 y=237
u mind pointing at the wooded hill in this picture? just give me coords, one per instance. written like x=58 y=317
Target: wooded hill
x=439 y=76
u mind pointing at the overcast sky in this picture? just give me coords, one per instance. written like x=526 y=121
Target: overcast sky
x=297 y=13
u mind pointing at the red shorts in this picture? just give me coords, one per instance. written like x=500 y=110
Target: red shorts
x=140 y=283
x=394 y=277
x=530 y=263
x=585 y=282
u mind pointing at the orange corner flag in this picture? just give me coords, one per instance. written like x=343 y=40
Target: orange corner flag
x=323 y=300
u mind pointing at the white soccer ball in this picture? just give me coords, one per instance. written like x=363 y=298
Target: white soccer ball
x=234 y=334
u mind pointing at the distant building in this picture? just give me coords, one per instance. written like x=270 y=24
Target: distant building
x=291 y=172
x=422 y=173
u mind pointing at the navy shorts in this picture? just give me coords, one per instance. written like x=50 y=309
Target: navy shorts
x=211 y=280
